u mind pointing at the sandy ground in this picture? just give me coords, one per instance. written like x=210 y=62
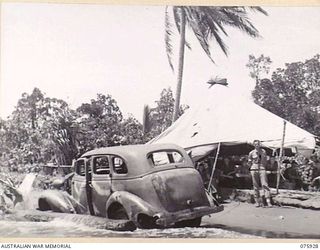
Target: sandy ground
x=275 y=222
x=237 y=221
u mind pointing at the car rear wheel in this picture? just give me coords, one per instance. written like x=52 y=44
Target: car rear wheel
x=117 y=212
x=196 y=222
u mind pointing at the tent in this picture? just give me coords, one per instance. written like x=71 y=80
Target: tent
x=228 y=118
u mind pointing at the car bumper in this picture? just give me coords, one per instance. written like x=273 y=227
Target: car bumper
x=168 y=219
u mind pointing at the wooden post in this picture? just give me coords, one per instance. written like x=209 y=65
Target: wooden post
x=280 y=155
x=214 y=166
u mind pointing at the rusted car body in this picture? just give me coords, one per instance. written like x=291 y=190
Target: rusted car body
x=152 y=185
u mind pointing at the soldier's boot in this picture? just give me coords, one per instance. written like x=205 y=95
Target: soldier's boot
x=269 y=202
x=257 y=202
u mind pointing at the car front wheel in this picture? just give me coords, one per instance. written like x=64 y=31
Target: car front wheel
x=146 y=222
x=196 y=222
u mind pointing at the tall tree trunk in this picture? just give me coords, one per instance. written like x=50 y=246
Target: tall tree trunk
x=180 y=66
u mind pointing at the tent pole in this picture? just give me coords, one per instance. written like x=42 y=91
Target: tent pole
x=214 y=165
x=280 y=155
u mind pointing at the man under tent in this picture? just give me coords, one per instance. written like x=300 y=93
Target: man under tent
x=257 y=160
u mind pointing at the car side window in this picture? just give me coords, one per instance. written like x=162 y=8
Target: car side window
x=101 y=165
x=119 y=165
x=160 y=158
x=177 y=157
x=80 y=167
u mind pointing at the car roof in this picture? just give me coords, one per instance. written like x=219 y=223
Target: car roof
x=136 y=155
x=128 y=149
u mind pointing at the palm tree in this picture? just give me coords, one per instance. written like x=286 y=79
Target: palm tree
x=207 y=23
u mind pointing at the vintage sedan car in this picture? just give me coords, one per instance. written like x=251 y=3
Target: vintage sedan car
x=151 y=185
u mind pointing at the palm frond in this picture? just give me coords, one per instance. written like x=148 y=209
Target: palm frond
x=237 y=17
x=213 y=25
x=215 y=15
x=167 y=38
x=214 y=33
x=258 y=9
x=198 y=29
x=209 y=23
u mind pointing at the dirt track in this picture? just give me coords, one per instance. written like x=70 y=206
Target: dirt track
x=275 y=222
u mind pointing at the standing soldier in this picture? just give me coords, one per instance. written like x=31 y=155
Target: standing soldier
x=257 y=161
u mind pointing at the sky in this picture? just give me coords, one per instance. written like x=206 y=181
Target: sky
x=74 y=51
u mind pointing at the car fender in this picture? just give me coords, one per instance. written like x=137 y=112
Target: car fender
x=132 y=203
x=59 y=201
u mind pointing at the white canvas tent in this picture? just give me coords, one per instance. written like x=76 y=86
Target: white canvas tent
x=226 y=117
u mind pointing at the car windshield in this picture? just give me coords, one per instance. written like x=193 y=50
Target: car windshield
x=161 y=158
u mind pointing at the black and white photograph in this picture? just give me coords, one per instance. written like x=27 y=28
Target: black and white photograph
x=159 y=121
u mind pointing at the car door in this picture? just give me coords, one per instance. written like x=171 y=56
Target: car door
x=79 y=183
x=101 y=183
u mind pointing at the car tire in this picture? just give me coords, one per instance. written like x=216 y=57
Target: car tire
x=117 y=212
x=196 y=222
x=43 y=205
x=146 y=222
